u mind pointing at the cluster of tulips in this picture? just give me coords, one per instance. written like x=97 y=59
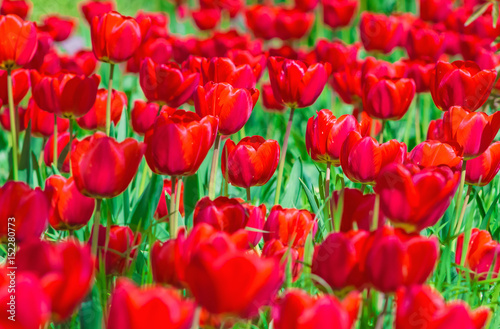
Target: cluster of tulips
x=148 y=206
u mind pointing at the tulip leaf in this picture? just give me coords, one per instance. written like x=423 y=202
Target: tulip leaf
x=191 y=197
x=145 y=207
x=292 y=190
x=25 y=153
x=90 y=315
x=481 y=10
x=494 y=14
x=38 y=172
x=311 y=199
x=62 y=156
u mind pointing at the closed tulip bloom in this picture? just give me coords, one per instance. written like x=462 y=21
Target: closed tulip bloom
x=337 y=260
x=66 y=95
x=221 y=69
x=387 y=99
x=83 y=62
x=482 y=170
x=158 y=307
x=19 y=43
x=325 y=135
x=166 y=83
x=206 y=18
x=336 y=53
x=20 y=116
x=20 y=85
x=15 y=7
x=471 y=132
x=294 y=83
x=436 y=130
x=115 y=37
x=393 y=259
x=347 y=84
x=158 y=49
x=102 y=167
x=379 y=32
x=30 y=208
x=362 y=158
x=461 y=83
x=425 y=44
x=297 y=310
x=482 y=255
x=92 y=8
x=95 y=118
x=257 y=62
x=232 y=106
x=420 y=72
x=251 y=162
x=65 y=270
x=178 y=143
x=231 y=215
x=414 y=199
x=435 y=10
x=260 y=19
x=292 y=23
x=357 y=208
x=143 y=116
x=58 y=27
x=42 y=122
x=70 y=210
x=48 y=151
x=285 y=255
x=162 y=212
x=269 y=101
x=435 y=153
x=339 y=13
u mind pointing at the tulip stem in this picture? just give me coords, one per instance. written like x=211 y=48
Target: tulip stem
x=462 y=212
x=283 y=156
x=381 y=136
x=178 y=197
x=106 y=241
x=376 y=210
x=363 y=188
x=70 y=142
x=459 y=197
x=55 y=142
x=417 y=121
x=380 y=319
x=249 y=197
x=95 y=228
x=13 y=131
x=175 y=197
x=213 y=168
x=108 y=103
x=327 y=191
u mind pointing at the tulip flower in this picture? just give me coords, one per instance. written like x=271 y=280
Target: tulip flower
x=435 y=10
x=83 y=62
x=159 y=22
x=381 y=69
x=162 y=212
x=339 y=13
x=42 y=122
x=92 y=8
x=420 y=72
x=19 y=48
x=297 y=310
x=231 y=215
x=393 y=259
x=257 y=62
x=337 y=260
x=69 y=209
x=48 y=152
x=95 y=118
x=436 y=130
x=425 y=44
x=414 y=199
x=379 y=32
x=347 y=84
x=15 y=7
x=287 y=256
x=220 y=69
x=65 y=270
x=58 y=27
x=20 y=85
x=26 y=209
x=102 y=167
x=482 y=170
x=261 y=20
x=357 y=208
x=362 y=158
x=336 y=53
x=206 y=18
x=435 y=153
x=461 y=84
x=20 y=117
x=292 y=23
x=471 y=132
x=481 y=257
x=159 y=307
x=166 y=83
x=143 y=115
x=158 y=49
x=269 y=101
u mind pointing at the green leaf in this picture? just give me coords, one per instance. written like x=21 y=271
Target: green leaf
x=25 y=153
x=494 y=14
x=292 y=190
x=90 y=314
x=311 y=199
x=481 y=10
x=146 y=206
x=191 y=197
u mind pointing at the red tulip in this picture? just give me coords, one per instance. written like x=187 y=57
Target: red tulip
x=482 y=255
x=48 y=151
x=471 y=132
x=414 y=199
x=65 y=270
x=362 y=158
x=143 y=115
x=435 y=130
x=305 y=5
x=162 y=212
x=420 y=72
x=244 y=57
x=44 y=46
x=261 y=20
x=221 y=69
x=15 y=7
x=292 y=23
x=381 y=69
x=425 y=44
x=379 y=32
x=67 y=95
x=166 y=83
x=59 y=28
x=433 y=154
x=83 y=62
x=21 y=114
x=206 y=18
x=285 y=255
x=482 y=170
x=115 y=37
x=347 y=84
x=159 y=24
x=435 y=10
x=339 y=13
x=158 y=307
x=19 y=43
x=294 y=83
x=93 y=8
x=251 y=162
x=95 y=119
x=461 y=84
x=231 y=215
x=158 y=49
x=336 y=53
x=232 y=106
x=297 y=310
x=42 y=122
x=179 y=134
x=269 y=101
x=20 y=85
x=102 y=167
x=70 y=210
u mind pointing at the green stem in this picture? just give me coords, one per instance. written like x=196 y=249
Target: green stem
x=283 y=156
x=213 y=168
x=108 y=103
x=249 y=196
x=465 y=245
x=380 y=319
x=95 y=228
x=327 y=191
x=13 y=131
x=71 y=137
x=54 y=155
x=106 y=243
x=172 y=216
x=381 y=137
x=178 y=197
x=459 y=198
x=376 y=209
x=417 y=121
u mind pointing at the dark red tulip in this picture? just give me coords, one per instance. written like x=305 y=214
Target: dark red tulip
x=15 y=7
x=292 y=23
x=420 y=72
x=20 y=86
x=261 y=20
x=115 y=37
x=166 y=83
x=66 y=95
x=435 y=10
x=21 y=114
x=482 y=170
x=94 y=8
x=19 y=43
x=58 y=27
x=415 y=199
x=251 y=162
x=425 y=44
x=95 y=118
x=181 y=133
x=232 y=106
x=231 y=215
x=471 y=132
x=294 y=83
x=357 y=208
x=482 y=255
x=269 y=101
x=339 y=13
x=29 y=208
x=42 y=122
x=70 y=210
x=48 y=151
x=206 y=18
x=436 y=130
x=461 y=84
x=435 y=153
x=83 y=62
x=221 y=69
x=143 y=115
x=305 y=5
x=102 y=167
x=362 y=158
x=387 y=99
x=379 y=32
x=162 y=212
x=158 y=49
x=159 y=307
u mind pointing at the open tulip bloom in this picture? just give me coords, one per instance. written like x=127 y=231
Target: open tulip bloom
x=229 y=164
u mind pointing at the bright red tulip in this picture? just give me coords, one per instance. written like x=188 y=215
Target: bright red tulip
x=115 y=37
x=379 y=32
x=292 y=24
x=362 y=158
x=460 y=84
x=162 y=212
x=58 y=27
x=93 y=8
x=336 y=53
x=260 y=19
x=42 y=122
x=19 y=43
x=436 y=130
x=482 y=170
x=48 y=151
x=435 y=10
x=482 y=258
x=420 y=72
x=20 y=85
x=158 y=49
x=221 y=69
x=21 y=118
x=95 y=118
x=15 y=7
x=158 y=307
x=206 y=18
x=347 y=84
x=178 y=143
x=339 y=13
x=159 y=24
x=83 y=62
x=102 y=167
x=251 y=162
x=285 y=255
x=143 y=116
x=425 y=44
x=381 y=69
x=305 y=5
x=70 y=210
x=435 y=153
x=269 y=101
x=257 y=62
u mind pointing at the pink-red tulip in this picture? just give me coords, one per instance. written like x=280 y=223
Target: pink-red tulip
x=482 y=170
